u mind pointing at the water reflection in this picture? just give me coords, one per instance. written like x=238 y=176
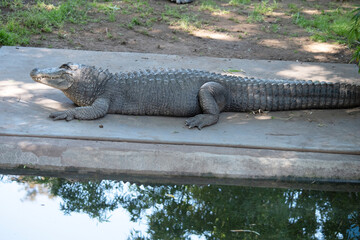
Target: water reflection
x=208 y=212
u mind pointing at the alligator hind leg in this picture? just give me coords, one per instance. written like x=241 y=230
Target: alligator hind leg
x=212 y=99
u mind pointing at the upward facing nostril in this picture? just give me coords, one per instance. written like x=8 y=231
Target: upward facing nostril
x=35 y=70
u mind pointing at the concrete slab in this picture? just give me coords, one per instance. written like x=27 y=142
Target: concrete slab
x=329 y=138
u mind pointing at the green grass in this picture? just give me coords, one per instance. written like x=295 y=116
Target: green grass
x=239 y=2
x=135 y=21
x=112 y=17
x=187 y=22
x=20 y=19
x=108 y=8
x=221 y=29
x=173 y=12
x=138 y=21
x=139 y=6
x=109 y=35
x=39 y=17
x=235 y=20
x=262 y=9
x=293 y=8
x=330 y=25
x=211 y=6
x=13 y=4
x=10 y=38
x=179 y=16
x=354 y=36
x=275 y=28
x=104 y=7
x=17 y=27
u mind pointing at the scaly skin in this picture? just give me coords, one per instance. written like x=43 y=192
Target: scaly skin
x=185 y=93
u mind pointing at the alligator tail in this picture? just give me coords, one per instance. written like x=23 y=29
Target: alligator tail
x=293 y=95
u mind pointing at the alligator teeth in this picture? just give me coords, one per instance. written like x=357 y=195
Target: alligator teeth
x=39 y=78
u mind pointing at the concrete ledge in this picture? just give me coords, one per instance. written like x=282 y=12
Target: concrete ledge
x=311 y=145
x=167 y=161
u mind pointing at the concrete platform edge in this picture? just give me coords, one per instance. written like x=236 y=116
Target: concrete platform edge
x=163 y=163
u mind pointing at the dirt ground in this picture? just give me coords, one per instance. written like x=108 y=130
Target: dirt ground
x=227 y=35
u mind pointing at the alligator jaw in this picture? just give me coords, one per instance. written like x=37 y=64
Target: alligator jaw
x=53 y=77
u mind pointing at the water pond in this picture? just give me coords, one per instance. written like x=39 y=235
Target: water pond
x=36 y=207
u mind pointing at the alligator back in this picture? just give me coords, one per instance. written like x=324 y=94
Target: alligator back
x=175 y=91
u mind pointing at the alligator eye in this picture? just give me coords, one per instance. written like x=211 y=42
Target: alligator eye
x=65 y=66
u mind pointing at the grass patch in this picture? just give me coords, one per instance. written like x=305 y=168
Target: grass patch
x=188 y=22
x=138 y=21
x=354 y=36
x=235 y=20
x=173 y=12
x=221 y=29
x=112 y=17
x=179 y=16
x=275 y=28
x=211 y=6
x=108 y=8
x=135 y=21
x=13 y=4
x=262 y=9
x=139 y=6
x=11 y=38
x=22 y=20
x=104 y=7
x=239 y=2
x=330 y=25
x=293 y=8
x=127 y=7
x=17 y=27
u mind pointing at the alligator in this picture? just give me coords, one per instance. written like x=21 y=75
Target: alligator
x=185 y=92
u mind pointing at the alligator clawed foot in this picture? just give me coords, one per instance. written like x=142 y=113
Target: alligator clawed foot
x=202 y=120
x=67 y=115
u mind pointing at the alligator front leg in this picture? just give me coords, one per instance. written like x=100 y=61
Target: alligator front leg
x=97 y=110
x=212 y=99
